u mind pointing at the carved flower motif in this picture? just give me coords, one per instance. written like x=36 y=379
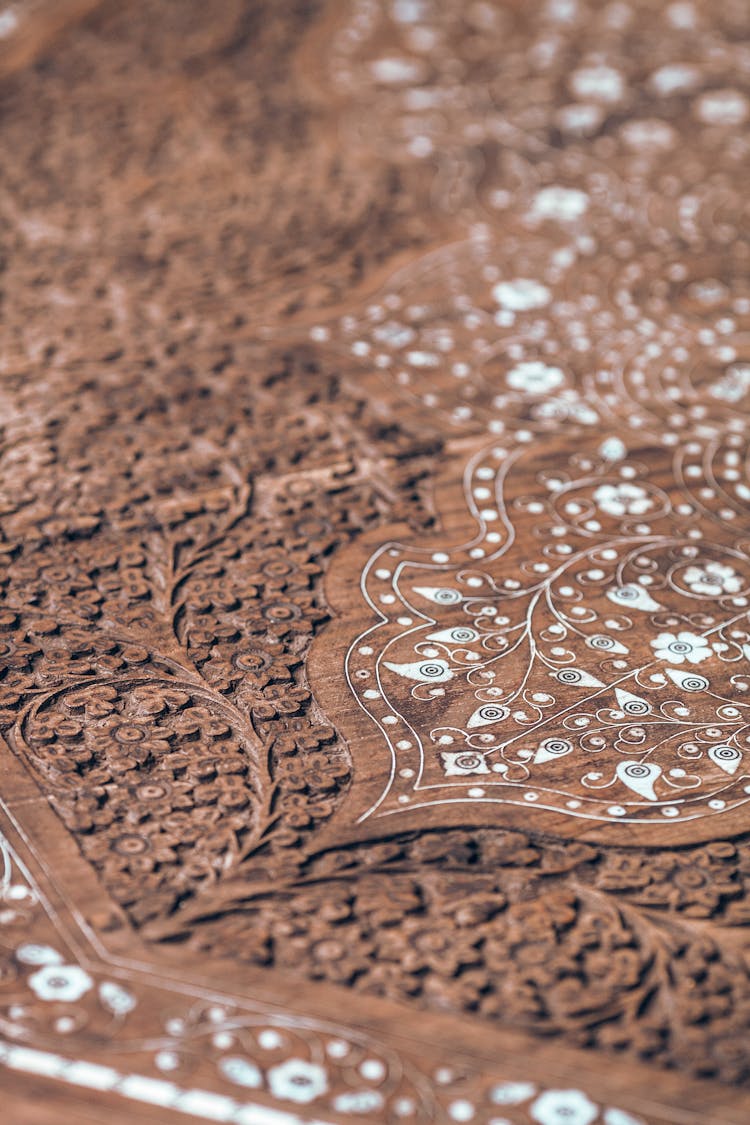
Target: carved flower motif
x=712 y=579
x=695 y=883
x=622 y=499
x=677 y=648
x=65 y=983
x=297 y=1080
x=421 y=944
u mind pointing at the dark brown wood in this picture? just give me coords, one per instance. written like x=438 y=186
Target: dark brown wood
x=375 y=562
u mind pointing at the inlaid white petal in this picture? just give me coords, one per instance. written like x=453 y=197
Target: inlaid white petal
x=688 y=681
x=486 y=714
x=512 y=1093
x=460 y=635
x=577 y=677
x=424 y=671
x=632 y=596
x=242 y=1071
x=33 y=953
x=615 y=1116
x=604 y=643
x=551 y=749
x=727 y=758
x=632 y=704
x=115 y=998
x=443 y=595
x=521 y=294
x=640 y=777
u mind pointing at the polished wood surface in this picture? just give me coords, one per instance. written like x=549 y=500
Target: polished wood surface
x=375 y=562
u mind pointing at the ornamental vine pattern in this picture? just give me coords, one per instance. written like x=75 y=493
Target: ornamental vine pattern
x=585 y=652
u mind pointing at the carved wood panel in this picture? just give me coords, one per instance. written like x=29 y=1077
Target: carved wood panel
x=375 y=558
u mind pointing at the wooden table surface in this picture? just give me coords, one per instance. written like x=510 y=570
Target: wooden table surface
x=375 y=562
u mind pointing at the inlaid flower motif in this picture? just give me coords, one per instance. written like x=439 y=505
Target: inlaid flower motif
x=648 y=135
x=566 y=406
x=32 y=953
x=599 y=83
x=297 y=1080
x=674 y=78
x=534 y=377
x=622 y=499
x=582 y=118
x=679 y=647
x=241 y=1071
x=734 y=383
x=521 y=294
x=563 y=1107
x=556 y=202
x=65 y=983
x=722 y=107
x=116 y=999
x=512 y=1093
x=713 y=579
x=456 y=764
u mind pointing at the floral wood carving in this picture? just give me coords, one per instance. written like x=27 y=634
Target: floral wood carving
x=212 y=1055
